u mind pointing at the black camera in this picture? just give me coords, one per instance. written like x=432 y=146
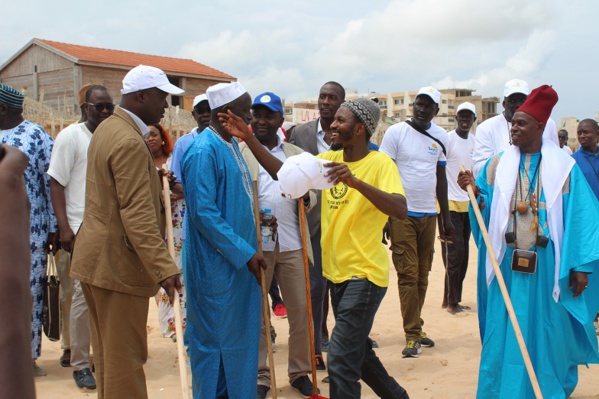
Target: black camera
x=510 y=238
x=542 y=241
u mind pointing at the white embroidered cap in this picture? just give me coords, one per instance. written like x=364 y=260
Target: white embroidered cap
x=223 y=93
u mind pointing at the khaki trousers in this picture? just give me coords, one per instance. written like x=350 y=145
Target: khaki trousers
x=74 y=314
x=413 y=245
x=119 y=340
x=63 y=268
x=289 y=269
x=79 y=329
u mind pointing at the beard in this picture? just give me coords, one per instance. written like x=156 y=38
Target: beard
x=336 y=146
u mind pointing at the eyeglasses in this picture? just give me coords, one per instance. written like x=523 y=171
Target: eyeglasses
x=102 y=107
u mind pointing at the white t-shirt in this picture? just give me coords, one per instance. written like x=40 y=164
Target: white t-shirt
x=416 y=157
x=493 y=137
x=459 y=153
x=68 y=166
x=567 y=150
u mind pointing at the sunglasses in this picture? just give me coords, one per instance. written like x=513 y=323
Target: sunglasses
x=102 y=107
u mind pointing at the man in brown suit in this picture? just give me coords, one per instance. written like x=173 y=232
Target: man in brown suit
x=120 y=256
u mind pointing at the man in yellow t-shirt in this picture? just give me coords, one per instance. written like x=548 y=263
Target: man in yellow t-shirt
x=352 y=225
x=368 y=190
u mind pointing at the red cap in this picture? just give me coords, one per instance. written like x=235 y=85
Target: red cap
x=540 y=103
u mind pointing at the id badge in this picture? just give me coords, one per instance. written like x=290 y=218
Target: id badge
x=524 y=261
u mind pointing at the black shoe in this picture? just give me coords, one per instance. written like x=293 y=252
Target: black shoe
x=455 y=309
x=304 y=386
x=412 y=349
x=320 y=363
x=84 y=379
x=261 y=391
x=326 y=379
x=425 y=341
x=65 y=358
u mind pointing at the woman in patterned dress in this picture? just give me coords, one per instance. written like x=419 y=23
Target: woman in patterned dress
x=161 y=147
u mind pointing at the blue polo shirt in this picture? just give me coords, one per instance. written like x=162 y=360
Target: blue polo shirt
x=589 y=163
x=180 y=147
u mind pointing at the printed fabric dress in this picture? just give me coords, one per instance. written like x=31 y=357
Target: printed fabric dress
x=166 y=313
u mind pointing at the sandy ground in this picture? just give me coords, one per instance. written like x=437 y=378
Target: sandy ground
x=449 y=370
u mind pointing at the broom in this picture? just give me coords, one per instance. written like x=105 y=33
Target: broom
x=265 y=307
x=302 y=218
x=506 y=296
x=178 y=320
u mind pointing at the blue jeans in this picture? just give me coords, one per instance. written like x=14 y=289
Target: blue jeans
x=350 y=355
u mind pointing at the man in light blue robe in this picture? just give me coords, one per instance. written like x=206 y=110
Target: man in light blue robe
x=220 y=256
x=554 y=307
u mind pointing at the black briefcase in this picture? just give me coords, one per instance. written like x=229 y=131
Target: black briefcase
x=51 y=320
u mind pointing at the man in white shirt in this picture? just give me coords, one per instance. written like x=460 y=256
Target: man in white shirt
x=68 y=171
x=460 y=148
x=493 y=135
x=562 y=136
x=418 y=148
x=283 y=254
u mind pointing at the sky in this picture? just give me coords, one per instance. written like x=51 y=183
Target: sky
x=293 y=47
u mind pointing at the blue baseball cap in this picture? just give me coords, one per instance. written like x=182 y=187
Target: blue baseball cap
x=270 y=101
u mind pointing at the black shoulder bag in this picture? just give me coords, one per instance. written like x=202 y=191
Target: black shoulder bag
x=422 y=131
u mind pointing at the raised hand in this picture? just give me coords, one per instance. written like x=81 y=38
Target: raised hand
x=234 y=125
x=340 y=173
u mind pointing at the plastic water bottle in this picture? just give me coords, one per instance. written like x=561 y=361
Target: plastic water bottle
x=266 y=226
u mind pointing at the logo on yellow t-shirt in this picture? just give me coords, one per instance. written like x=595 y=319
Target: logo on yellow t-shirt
x=339 y=191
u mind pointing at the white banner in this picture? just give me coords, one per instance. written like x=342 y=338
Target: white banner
x=303 y=115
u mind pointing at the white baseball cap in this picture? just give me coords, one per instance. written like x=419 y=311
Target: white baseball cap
x=301 y=173
x=431 y=92
x=466 y=106
x=145 y=77
x=199 y=99
x=515 y=86
x=223 y=93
